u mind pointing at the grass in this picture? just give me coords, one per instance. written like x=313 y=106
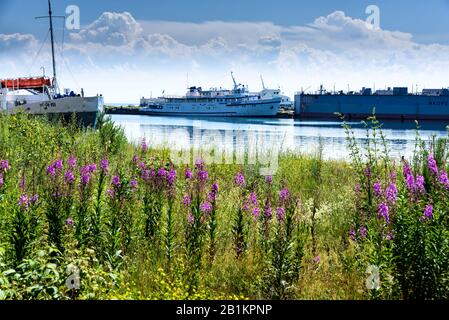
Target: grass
x=117 y=261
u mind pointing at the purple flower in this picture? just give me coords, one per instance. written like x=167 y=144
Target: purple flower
x=85 y=179
x=188 y=174
x=51 y=171
x=410 y=181
x=407 y=171
x=420 y=185
x=4 y=165
x=377 y=187
x=432 y=164
x=392 y=192
x=280 y=213
x=69 y=177
x=389 y=236
x=203 y=175
x=104 y=166
x=383 y=212
x=190 y=218
x=363 y=232
x=284 y=194
x=23 y=202
x=116 y=182
x=186 y=201
x=444 y=180
x=141 y=165
x=352 y=234
x=133 y=184
x=144 y=145
x=357 y=188
x=92 y=167
x=161 y=173
x=317 y=259
x=428 y=213
x=171 y=177
x=256 y=212
x=71 y=162
x=69 y=222
x=199 y=164
x=111 y=193
x=206 y=207
x=22 y=183
x=135 y=158
x=34 y=199
x=86 y=174
x=368 y=172
x=2 y=182
x=269 y=180
x=267 y=212
x=215 y=187
x=239 y=179
x=145 y=175
x=58 y=165
x=252 y=198
x=212 y=196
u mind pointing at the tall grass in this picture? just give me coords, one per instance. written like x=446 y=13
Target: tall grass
x=127 y=223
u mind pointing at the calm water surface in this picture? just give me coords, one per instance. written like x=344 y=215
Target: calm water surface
x=231 y=134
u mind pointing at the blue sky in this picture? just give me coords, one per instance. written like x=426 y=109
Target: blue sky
x=169 y=44
x=427 y=20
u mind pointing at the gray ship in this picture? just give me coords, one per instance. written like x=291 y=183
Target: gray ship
x=395 y=104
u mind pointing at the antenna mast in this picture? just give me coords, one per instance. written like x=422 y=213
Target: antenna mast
x=50 y=17
x=263 y=84
x=235 y=83
x=52 y=42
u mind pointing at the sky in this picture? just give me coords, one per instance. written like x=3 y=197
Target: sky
x=129 y=49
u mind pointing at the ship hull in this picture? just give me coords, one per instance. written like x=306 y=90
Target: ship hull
x=257 y=108
x=408 y=107
x=85 y=109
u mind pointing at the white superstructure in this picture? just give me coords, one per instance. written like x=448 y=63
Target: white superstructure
x=237 y=102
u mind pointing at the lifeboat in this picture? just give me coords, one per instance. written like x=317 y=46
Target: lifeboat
x=25 y=83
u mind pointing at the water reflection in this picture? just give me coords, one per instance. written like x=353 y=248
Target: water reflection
x=285 y=134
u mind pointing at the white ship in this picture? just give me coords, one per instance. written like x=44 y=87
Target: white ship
x=41 y=96
x=237 y=102
x=266 y=93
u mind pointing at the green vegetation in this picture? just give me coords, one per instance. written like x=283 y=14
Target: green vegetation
x=86 y=215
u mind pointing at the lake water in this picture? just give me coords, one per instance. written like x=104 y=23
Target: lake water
x=257 y=135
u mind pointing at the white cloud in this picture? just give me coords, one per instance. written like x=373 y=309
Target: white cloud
x=334 y=49
x=16 y=42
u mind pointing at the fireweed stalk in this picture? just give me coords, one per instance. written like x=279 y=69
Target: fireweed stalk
x=82 y=230
x=171 y=196
x=198 y=210
x=96 y=219
x=212 y=224
x=4 y=168
x=286 y=248
x=120 y=194
x=57 y=198
x=239 y=228
x=154 y=181
x=24 y=224
x=267 y=214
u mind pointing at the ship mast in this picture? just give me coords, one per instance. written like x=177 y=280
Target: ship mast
x=52 y=42
x=50 y=17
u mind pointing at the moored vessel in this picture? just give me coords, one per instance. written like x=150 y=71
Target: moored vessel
x=41 y=95
x=238 y=102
